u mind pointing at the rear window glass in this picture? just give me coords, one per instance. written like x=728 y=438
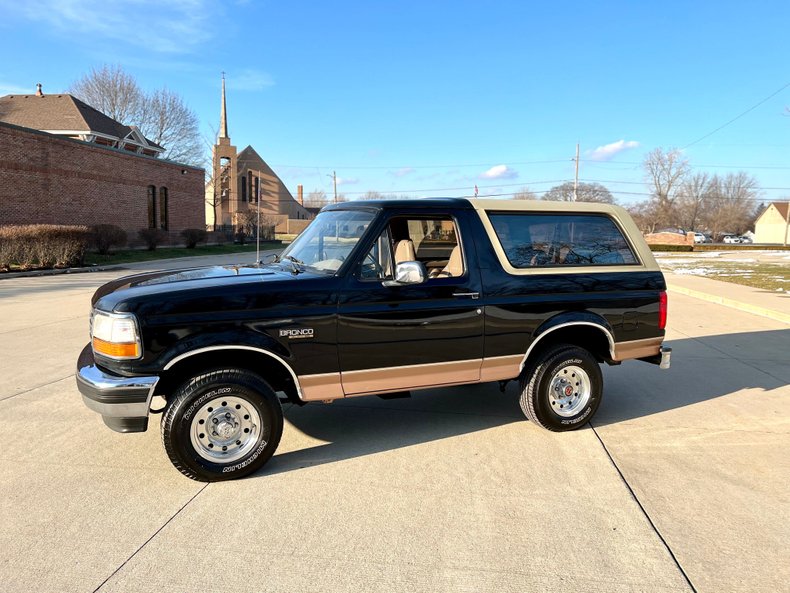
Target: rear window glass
x=534 y=240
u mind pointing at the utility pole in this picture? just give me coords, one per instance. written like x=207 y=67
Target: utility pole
x=576 y=178
x=334 y=181
x=258 y=225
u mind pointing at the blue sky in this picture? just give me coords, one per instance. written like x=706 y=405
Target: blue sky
x=410 y=96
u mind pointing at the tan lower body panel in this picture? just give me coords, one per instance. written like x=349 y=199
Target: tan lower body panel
x=499 y=368
x=321 y=387
x=637 y=348
x=328 y=386
x=411 y=377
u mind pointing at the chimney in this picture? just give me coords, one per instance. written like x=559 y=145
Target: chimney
x=300 y=193
x=39 y=92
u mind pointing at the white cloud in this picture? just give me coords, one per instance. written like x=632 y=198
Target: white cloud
x=402 y=172
x=607 y=151
x=347 y=180
x=499 y=172
x=249 y=80
x=173 y=27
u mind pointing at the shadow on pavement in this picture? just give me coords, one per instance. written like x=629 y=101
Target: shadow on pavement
x=703 y=368
x=368 y=425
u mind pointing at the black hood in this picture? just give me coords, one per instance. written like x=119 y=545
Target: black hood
x=188 y=279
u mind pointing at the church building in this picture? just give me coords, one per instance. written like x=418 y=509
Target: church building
x=240 y=179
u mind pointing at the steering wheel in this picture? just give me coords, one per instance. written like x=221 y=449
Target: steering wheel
x=374 y=263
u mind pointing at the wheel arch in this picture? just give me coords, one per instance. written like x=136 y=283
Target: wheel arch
x=592 y=333
x=271 y=367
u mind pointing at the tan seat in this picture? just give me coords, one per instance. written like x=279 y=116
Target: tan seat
x=455 y=265
x=404 y=251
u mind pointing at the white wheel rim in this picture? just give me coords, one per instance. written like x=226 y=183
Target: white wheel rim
x=569 y=391
x=225 y=429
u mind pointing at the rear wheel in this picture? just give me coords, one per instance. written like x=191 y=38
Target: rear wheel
x=562 y=389
x=221 y=425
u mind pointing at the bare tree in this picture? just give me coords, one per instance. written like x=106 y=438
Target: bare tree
x=372 y=195
x=169 y=122
x=249 y=224
x=694 y=198
x=586 y=192
x=162 y=115
x=644 y=215
x=525 y=194
x=664 y=173
x=113 y=92
x=316 y=199
x=734 y=202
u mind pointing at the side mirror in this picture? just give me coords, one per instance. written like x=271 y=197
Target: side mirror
x=408 y=272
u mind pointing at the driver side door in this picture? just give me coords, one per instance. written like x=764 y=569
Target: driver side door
x=393 y=338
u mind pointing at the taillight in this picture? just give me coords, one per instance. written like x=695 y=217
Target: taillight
x=662 y=309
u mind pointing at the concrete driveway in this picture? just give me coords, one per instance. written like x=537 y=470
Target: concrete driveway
x=681 y=484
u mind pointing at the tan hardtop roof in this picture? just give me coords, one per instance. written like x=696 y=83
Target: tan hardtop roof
x=543 y=206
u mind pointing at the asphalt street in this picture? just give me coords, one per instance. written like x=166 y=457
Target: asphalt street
x=679 y=484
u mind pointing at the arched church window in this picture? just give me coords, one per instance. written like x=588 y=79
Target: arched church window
x=151 y=207
x=163 y=208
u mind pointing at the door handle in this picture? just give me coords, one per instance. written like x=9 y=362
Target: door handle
x=473 y=295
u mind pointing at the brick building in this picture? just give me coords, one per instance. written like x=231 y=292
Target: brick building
x=240 y=179
x=86 y=170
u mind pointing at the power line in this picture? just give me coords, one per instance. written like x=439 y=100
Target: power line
x=737 y=117
x=402 y=167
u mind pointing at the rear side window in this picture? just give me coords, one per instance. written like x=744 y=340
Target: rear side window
x=534 y=240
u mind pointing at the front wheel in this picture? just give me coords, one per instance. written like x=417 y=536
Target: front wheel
x=221 y=425
x=562 y=390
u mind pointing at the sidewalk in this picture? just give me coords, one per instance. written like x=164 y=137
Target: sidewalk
x=774 y=305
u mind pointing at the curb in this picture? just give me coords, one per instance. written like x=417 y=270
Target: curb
x=733 y=304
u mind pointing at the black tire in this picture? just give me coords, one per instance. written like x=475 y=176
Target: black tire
x=237 y=403
x=543 y=397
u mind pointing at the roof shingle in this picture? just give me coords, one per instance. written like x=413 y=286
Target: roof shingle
x=59 y=113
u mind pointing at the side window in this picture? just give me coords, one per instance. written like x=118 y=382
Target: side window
x=432 y=241
x=531 y=240
x=377 y=263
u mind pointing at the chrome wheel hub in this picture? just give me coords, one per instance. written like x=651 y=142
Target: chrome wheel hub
x=225 y=429
x=569 y=391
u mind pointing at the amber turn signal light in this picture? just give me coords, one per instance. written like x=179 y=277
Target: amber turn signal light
x=116 y=350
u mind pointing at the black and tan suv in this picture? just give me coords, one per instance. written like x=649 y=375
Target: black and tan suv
x=377 y=298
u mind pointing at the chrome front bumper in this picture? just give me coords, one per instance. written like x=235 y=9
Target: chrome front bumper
x=123 y=402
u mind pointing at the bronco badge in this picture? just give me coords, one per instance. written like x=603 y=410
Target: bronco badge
x=295 y=334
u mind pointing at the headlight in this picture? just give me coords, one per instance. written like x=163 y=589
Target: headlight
x=115 y=335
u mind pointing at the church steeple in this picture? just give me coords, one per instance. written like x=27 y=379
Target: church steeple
x=223 y=118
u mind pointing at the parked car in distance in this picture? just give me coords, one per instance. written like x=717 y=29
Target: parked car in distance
x=745 y=239
x=700 y=238
x=731 y=239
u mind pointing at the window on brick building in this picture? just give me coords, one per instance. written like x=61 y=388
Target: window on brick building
x=243 y=188
x=256 y=184
x=163 y=208
x=151 y=207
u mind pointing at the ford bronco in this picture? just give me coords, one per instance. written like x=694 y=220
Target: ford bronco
x=375 y=298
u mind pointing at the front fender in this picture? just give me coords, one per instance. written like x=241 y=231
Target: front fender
x=224 y=339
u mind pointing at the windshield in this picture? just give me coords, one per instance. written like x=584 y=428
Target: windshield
x=327 y=242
